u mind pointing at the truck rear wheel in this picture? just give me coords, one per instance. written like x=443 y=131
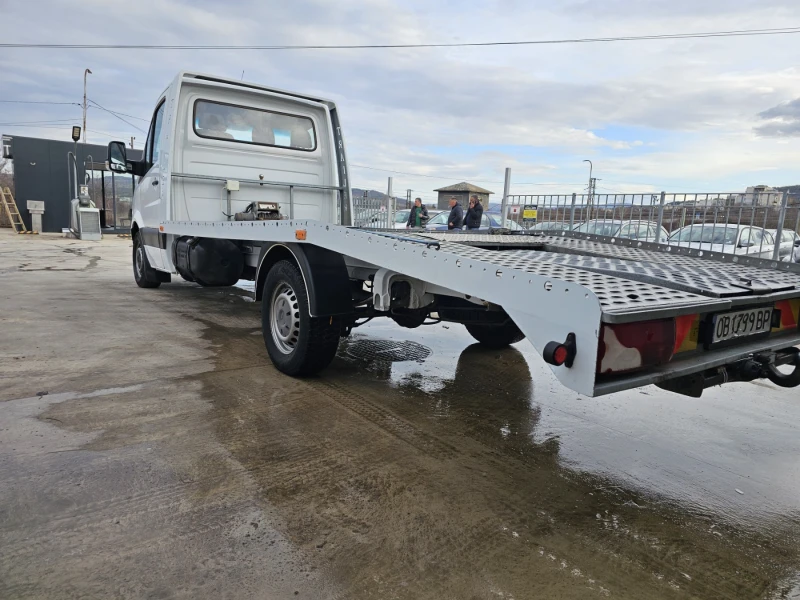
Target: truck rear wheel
x=297 y=343
x=495 y=335
x=145 y=275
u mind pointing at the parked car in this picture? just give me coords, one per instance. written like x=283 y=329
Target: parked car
x=722 y=237
x=634 y=230
x=789 y=245
x=551 y=226
x=488 y=221
x=401 y=217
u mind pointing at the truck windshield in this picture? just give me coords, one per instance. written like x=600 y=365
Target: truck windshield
x=250 y=125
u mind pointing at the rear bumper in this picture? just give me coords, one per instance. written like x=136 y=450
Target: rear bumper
x=681 y=367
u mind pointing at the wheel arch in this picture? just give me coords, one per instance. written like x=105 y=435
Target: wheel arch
x=323 y=271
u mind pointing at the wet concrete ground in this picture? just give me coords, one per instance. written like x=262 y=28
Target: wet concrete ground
x=148 y=449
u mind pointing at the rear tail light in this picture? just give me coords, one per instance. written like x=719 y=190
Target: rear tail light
x=631 y=346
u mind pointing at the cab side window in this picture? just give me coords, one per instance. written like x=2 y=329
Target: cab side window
x=155 y=135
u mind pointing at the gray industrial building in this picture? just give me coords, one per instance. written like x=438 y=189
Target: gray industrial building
x=462 y=191
x=42 y=172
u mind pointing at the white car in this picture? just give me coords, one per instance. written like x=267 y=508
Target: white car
x=789 y=245
x=551 y=227
x=488 y=221
x=401 y=217
x=725 y=238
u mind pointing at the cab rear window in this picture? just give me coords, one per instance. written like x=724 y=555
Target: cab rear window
x=248 y=125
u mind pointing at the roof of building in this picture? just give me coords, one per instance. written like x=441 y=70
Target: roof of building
x=464 y=187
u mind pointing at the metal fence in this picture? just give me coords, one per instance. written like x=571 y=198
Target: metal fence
x=373 y=213
x=731 y=223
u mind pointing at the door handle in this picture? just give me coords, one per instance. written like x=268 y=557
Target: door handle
x=155 y=181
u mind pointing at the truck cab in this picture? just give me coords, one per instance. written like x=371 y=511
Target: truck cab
x=209 y=135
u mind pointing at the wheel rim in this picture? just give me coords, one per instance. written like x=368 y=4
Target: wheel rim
x=285 y=318
x=139 y=261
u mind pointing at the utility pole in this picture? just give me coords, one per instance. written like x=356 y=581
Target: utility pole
x=408 y=198
x=590 y=190
x=132 y=138
x=85 y=73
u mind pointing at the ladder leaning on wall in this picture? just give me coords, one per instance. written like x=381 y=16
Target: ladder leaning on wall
x=12 y=212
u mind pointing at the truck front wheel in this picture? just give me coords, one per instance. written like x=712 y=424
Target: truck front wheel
x=297 y=343
x=145 y=275
x=496 y=335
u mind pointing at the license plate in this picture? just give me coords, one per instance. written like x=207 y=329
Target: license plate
x=742 y=323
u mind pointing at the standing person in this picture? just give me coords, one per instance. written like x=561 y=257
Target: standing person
x=418 y=217
x=474 y=213
x=456 y=219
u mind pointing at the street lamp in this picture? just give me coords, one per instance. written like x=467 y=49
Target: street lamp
x=85 y=73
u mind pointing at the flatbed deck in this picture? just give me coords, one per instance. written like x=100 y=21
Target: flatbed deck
x=554 y=286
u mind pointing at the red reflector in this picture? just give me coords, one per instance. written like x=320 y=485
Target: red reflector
x=560 y=355
x=631 y=346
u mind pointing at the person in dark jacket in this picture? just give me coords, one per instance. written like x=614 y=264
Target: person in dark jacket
x=418 y=217
x=456 y=218
x=474 y=213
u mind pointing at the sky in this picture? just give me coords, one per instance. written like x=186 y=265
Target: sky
x=692 y=115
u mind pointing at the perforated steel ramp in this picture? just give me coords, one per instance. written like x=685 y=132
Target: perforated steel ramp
x=630 y=279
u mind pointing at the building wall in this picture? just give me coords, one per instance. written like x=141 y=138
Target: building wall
x=41 y=173
x=463 y=199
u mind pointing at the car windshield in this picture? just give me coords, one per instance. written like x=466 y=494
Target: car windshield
x=608 y=228
x=708 y=234
x=440 y=219
x=401 y=216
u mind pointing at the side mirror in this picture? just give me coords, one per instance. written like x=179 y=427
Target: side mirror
x=746 y=244
x=117 y=157
x=797 y=243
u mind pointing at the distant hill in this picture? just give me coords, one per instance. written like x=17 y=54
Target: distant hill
x=792 y=189
x=376 y=195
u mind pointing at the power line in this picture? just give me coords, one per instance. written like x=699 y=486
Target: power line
x=62 y=127
x=454 y=177
x=111 y=112
x=48 y=121
x=38 y=102
x=635 y=38
x=116 y=112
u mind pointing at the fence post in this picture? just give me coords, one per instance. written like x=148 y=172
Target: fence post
x=504 y=203
x=776 y=253
x=660 y=218
x=572 y=213
x=390 y=206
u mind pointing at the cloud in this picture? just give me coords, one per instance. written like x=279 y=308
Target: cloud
x=783 y=120
x=650 y=111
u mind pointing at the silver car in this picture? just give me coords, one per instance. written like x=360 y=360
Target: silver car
x=634 y=230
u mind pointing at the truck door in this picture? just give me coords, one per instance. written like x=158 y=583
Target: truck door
x=149 y=190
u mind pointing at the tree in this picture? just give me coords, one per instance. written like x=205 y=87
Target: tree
x=7 y=174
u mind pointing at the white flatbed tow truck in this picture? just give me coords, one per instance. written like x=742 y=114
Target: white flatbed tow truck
x=243 y=181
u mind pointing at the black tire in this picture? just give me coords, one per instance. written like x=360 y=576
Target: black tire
x=144 y=275
x=497 y=335
x=297 y=343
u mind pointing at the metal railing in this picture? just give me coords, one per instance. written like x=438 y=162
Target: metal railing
x=727 y=223
x=373 y=213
